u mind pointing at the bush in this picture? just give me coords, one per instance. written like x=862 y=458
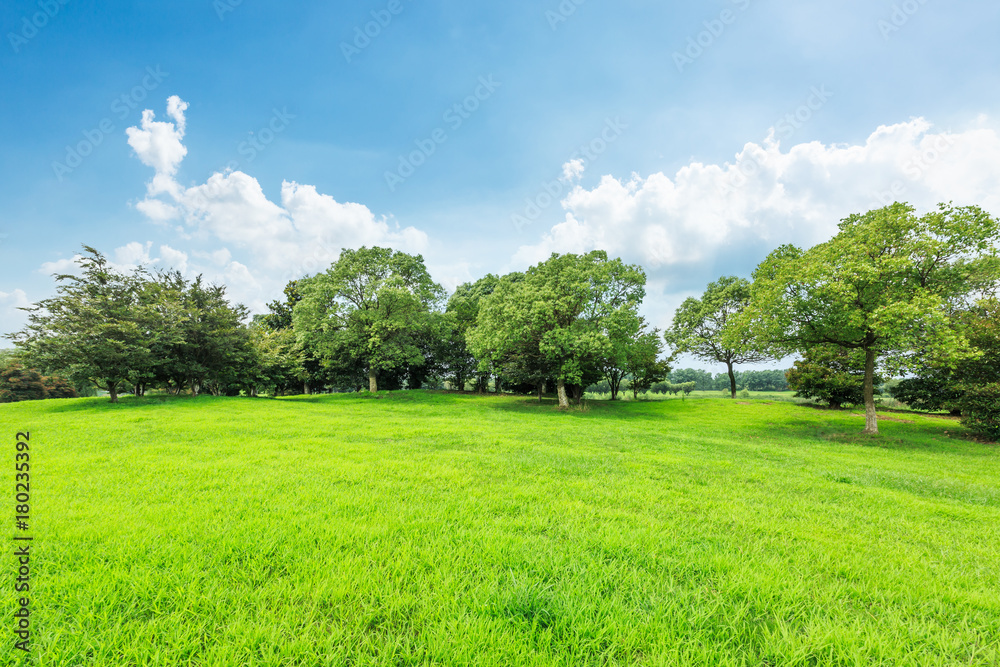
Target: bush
x=745 y=393
x=830 y=374
x=927 y=393
x=18 y=383
x=981 y=410
x=59 y=387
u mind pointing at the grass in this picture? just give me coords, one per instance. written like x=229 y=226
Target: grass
x=438 y=529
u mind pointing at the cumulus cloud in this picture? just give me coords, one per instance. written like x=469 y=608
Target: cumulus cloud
x=303 y=233
x=14 y=300
x=768 y=196
x=573 y=170
x=159 y=144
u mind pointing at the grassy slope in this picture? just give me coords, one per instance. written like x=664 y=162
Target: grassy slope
x=439 y=529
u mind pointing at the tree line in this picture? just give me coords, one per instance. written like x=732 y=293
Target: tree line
x=893 y=293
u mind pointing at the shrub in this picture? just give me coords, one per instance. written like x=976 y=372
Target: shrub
x=58 y=387
x=981 y=410
x=830 y=374
x=745 y=393
x=927 y=393
x=21 y=384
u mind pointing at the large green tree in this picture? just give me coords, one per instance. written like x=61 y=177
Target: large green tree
x=367 y=312
x=699 y=325
x=553 y=320
x=886 y=285
x=98 y=325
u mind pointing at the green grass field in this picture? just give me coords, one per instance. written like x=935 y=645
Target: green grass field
x=436 y=529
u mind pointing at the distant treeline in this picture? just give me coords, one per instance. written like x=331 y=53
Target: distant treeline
x=704 y=381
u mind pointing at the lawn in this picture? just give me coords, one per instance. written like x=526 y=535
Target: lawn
x=438 y=529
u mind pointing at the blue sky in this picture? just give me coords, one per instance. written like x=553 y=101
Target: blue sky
x=298 y=121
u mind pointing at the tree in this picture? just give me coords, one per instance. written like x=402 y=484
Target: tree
x=642 y=362
x=279 y=316
x=553 y=321
x=96 y=327
x=699 y=325
x=365 y=313
x=886 y=285
x=623 y=332
x=832 y=374
x=198 y=338
x=938 y=387
x=463 y=310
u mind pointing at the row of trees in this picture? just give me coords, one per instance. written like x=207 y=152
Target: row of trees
x=892 y=293
x=565 y=323
x=375 y=319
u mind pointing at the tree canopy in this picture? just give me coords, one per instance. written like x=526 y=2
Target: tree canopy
x=699 y=326
x=366 y=313
x=886 y=285
x=554 y=320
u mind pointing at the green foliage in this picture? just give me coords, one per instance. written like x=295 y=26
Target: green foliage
x=368 y=314
x=980 y=406
x=459 y=363
x=703 y=327
x=931 y=392
x=941 y=387
x=831 y=374
x=557 y=319
x=886 y=284
x=642 y=361
x=97 y=327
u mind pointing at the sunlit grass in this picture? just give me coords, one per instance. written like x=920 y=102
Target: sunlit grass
x=422 y=528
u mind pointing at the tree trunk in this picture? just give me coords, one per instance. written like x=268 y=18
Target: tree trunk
x=306 y=388
x=113 y=391
x=871 y=417
x=541 y=390
x=563 y=399
x=732 y=379
x=578 y=393
x=372 y=381
x=496 y=384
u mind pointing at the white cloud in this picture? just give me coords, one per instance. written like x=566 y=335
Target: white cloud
x=157 y=143
x=171 y=259
x=133 y=254
x=61 y=266
x=573 y=170
x=302 y=234
x=768 y=196
x=14 y=300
